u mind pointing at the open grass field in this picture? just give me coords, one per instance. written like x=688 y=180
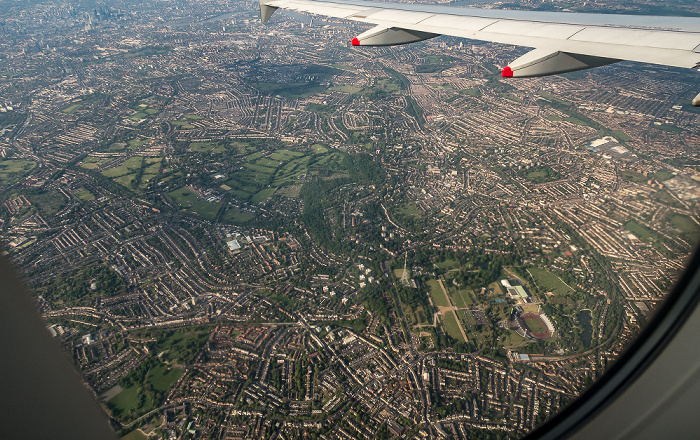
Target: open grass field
x=237 y=216
x=663 y=175
x=549 y=282
x=451 y=326
x=208 y=147
x=639 y=230
x=470 y=92
x=90 y=162
x=125 y=401
x=135 y=435
x=439 y=298
x=126 y=180
x=319 y=149
x=289 y=90
x=85 y=195
x=163 y=377
x=686 y=225
x=398 y=273
x=411 y=210
x=461 y=298
x=129 y=166
x=187 y=199
x=72 y=108
x=263 y=195
x=621 y=135
x=285 y=155
x=12 y=170
x=511 y=339
x=183 y=124
x=135 y=143
x=448 y=264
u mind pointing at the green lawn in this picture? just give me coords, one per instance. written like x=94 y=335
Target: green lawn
x=663 y=175
x=686 y=225
x=137 y=143
x=411 y=210
x=129 y=166
x=319 y=149
x=85 y=195
x=470 y=92
x=451 y=326
x=237 y=216
x=125 y=401
x=207 y=147
x=263 y=195
x=289 y=90
x=187 y=199
x=285 y=155
x=439 y=298
x=633 y=176
x=448 y=264
x=126 y=180
x=639 y=230
x=183 y=124
x=12 y=170
x=549 y=282
x=512 y=338
x=72 y=108
x=135 y=435
x=163 y=377
x=90 y=162
x=461 y=298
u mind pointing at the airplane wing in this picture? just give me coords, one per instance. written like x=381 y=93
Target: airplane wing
x=561 y=41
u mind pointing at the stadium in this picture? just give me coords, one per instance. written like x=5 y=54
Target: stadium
x=536 y=326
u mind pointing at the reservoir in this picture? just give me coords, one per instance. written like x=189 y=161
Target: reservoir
x=584 y=318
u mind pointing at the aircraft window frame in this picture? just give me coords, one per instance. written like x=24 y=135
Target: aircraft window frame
x=672 y=314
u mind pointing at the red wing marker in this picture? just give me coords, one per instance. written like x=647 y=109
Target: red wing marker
x=507 y=72
x=355 y=42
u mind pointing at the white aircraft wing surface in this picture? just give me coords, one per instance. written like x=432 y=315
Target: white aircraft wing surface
x=562 y=41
